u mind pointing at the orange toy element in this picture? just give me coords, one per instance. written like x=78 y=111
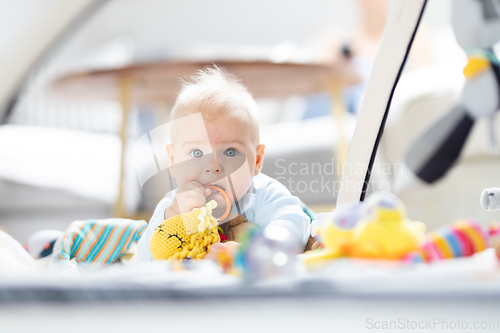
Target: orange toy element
x=226 y=197
x=225 y=260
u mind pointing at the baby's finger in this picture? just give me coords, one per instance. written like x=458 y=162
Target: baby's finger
x=188 y=200
x=228 y=247
x=193 y=201
x=232 y=245
x=199 y=201
x=190 y=186
x=208 y=191
x=216 y=247
x=214 y=250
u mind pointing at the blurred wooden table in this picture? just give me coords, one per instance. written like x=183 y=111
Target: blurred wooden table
x=157 y=83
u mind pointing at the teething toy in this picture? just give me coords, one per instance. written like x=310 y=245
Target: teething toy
x=226 y=197
x=188 y=235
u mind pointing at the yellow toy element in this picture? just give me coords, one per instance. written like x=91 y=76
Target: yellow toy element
x=335 y=237
x=383 y=233
x=476 y=65
x=188 y=235
x=389 y=236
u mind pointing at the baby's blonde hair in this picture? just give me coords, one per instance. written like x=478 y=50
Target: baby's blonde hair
x=212 y=91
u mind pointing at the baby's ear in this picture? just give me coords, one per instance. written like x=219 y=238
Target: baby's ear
x=170 y=153
x=259 y=160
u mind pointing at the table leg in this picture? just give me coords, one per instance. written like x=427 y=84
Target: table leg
x=338 y=112
x=161 y=117
x=119 y=209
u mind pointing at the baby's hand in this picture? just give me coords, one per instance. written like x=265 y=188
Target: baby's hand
x=190 y=195
x=215 y=249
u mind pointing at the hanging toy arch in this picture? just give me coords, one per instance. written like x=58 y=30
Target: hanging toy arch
x=402 y=24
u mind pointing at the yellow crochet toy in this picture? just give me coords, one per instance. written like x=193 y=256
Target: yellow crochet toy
x=188 y=235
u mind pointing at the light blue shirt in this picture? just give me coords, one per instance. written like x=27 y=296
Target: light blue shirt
x=268 y=202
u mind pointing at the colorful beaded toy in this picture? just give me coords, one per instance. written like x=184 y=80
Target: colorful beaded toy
x=460 y=239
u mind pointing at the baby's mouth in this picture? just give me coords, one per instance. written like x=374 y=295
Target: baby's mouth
x=216 y=194
x=215 y=190
x=217 y=197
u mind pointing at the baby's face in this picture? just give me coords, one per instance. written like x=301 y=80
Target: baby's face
x=222 y=152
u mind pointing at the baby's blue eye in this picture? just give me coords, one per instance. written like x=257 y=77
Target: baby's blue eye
x=196 y=153
x=230 y=152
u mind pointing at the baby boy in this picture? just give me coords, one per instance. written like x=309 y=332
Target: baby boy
x=215 y=141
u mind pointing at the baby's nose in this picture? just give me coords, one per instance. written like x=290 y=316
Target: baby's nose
x=213 y=167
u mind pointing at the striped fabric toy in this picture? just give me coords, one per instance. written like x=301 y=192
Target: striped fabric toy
x=460 y=239
x=98 y=242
